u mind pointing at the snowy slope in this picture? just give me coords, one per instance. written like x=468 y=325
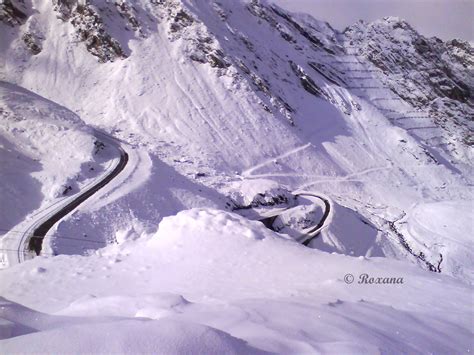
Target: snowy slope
x=211 y=281
x=221 y=103
x=49 y=158
x=45 y=149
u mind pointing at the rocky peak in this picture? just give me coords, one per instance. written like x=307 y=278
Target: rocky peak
x=90 y=29
x=396 y=48
x=12 y=12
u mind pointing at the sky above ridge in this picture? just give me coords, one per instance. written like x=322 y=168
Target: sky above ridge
x=446 y=19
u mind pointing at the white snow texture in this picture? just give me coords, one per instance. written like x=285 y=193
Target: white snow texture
x=227 y=110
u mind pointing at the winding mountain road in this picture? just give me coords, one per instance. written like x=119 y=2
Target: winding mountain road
x=31 y=240
x=36 y=240
x=312 y=232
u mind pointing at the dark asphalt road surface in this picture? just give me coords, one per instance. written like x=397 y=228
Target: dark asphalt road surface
x=35 y=242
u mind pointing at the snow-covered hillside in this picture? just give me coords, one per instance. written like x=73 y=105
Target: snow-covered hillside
x=212 y=282
x=231 y=105
x=47 y=152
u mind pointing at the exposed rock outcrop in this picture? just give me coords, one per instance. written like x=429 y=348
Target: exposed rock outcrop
x=90 y=29
x=12 y=12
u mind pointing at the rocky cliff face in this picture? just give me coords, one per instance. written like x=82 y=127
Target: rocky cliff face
x=88 y=23
x=13 y=13
x=432 y=76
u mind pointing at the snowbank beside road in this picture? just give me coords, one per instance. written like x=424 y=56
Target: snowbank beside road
x=207 y=268
x=45 y=148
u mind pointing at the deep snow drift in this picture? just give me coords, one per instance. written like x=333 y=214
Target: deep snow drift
x=255 y=290
x=225 y=105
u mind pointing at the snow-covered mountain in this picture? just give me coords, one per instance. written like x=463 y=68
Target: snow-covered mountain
x=230 y=105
